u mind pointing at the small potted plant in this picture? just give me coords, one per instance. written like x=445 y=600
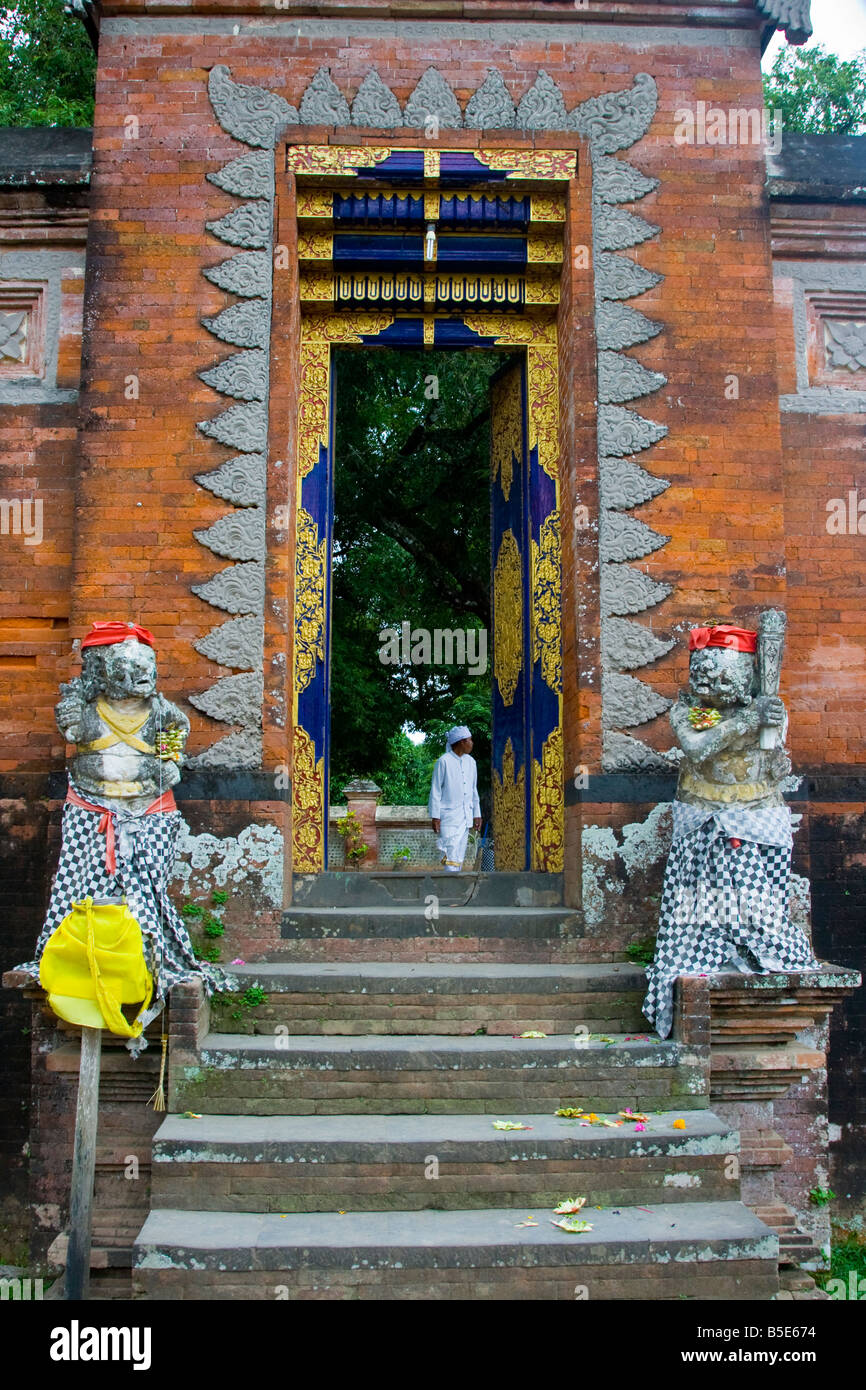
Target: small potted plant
x=400 y=858
x=349 y=827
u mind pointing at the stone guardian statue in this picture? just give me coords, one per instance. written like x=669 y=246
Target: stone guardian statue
x=725 y=900
x=120 y=821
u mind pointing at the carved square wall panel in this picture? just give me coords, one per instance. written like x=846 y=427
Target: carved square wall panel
x=829 y=310
x=837 y=339
x=22 y=330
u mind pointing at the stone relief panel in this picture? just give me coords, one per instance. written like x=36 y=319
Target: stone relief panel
x=829 y=307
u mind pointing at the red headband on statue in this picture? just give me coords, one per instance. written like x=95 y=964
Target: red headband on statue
x=738 y=639
x=107 y=634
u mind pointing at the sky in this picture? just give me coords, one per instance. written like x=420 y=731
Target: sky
x=840 y=26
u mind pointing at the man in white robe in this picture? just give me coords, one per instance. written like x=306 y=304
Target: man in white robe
x=453 y=806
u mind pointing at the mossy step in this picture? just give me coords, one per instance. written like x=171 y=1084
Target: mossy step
x=701 y=1250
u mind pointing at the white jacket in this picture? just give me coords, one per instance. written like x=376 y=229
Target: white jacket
x=454 y=791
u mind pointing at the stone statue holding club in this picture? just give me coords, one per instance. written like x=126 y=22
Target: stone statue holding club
x=725 y=900
x=120 y=829
x=113 y=945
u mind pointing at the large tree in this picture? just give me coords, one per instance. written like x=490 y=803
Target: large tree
x=47 y=66
x=817 y=92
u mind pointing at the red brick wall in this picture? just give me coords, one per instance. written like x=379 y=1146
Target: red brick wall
x=825 y=667
x=150 y=202
x=38 y=452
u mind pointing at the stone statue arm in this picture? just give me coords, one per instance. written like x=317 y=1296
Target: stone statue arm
x=172 y=720
x=70 y=710
x=741 y=731
x=171 y=716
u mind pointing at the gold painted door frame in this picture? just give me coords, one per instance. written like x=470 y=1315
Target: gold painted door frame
x=539 y=563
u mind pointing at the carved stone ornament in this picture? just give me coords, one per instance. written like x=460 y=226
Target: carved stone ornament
x=618 y=327
x=250 y=176
x=240 y=480
x=237 y=643
x=626 y=645
x=616 y=120
x=375 y=104
x=245 y=375
x=622 y=378
x=621 y=431
x=323 y=103
x=250 y=114
x=624 y=537
x=622 y=753
x=245 y=325
x=240 y=427
x=543 y=106
x=239 y=536
x=238 y=589
x=625 y=590
x=433 y=102
x=617 y=277
x=246 y=226
x=615 y=181
x=248 y=273
x=240 y=750
x=614 y=229
x=491 y=107
x=234 y=699
x=629 y=701
x=794 y=16
x=623 y=483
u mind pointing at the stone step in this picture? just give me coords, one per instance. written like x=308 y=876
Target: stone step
x=410 y=1162
x=377 y=922
x=304 y=1075
x=341 y=888
x=393 y=998
x=700 y=1250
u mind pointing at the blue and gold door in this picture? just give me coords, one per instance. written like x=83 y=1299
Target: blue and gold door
x=510 y=644
x=526 y=760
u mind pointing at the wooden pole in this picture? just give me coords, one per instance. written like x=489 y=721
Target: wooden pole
x=83 y=1167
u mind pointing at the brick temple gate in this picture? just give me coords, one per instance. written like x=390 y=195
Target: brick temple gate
x=677 y=393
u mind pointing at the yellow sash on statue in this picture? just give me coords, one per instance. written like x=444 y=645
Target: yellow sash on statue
x=124 y=728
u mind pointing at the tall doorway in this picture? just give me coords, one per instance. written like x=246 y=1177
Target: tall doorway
x=411 y=570
x=428 y=516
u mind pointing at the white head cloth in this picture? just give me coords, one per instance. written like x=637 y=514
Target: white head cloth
x=459 y=732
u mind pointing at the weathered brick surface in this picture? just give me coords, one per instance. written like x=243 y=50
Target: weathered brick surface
x=279 y=1187
x=836 y=837
x=127 y=1123
x=323 y=1013
x=280 y=1084
x=735 y=1280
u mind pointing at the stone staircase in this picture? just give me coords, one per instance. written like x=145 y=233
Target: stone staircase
x=343 y=1144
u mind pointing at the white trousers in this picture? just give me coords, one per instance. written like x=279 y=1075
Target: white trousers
x=452 y=841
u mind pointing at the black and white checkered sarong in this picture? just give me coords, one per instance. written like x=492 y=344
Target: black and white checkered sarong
x=720 y=903
x=145 y=851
